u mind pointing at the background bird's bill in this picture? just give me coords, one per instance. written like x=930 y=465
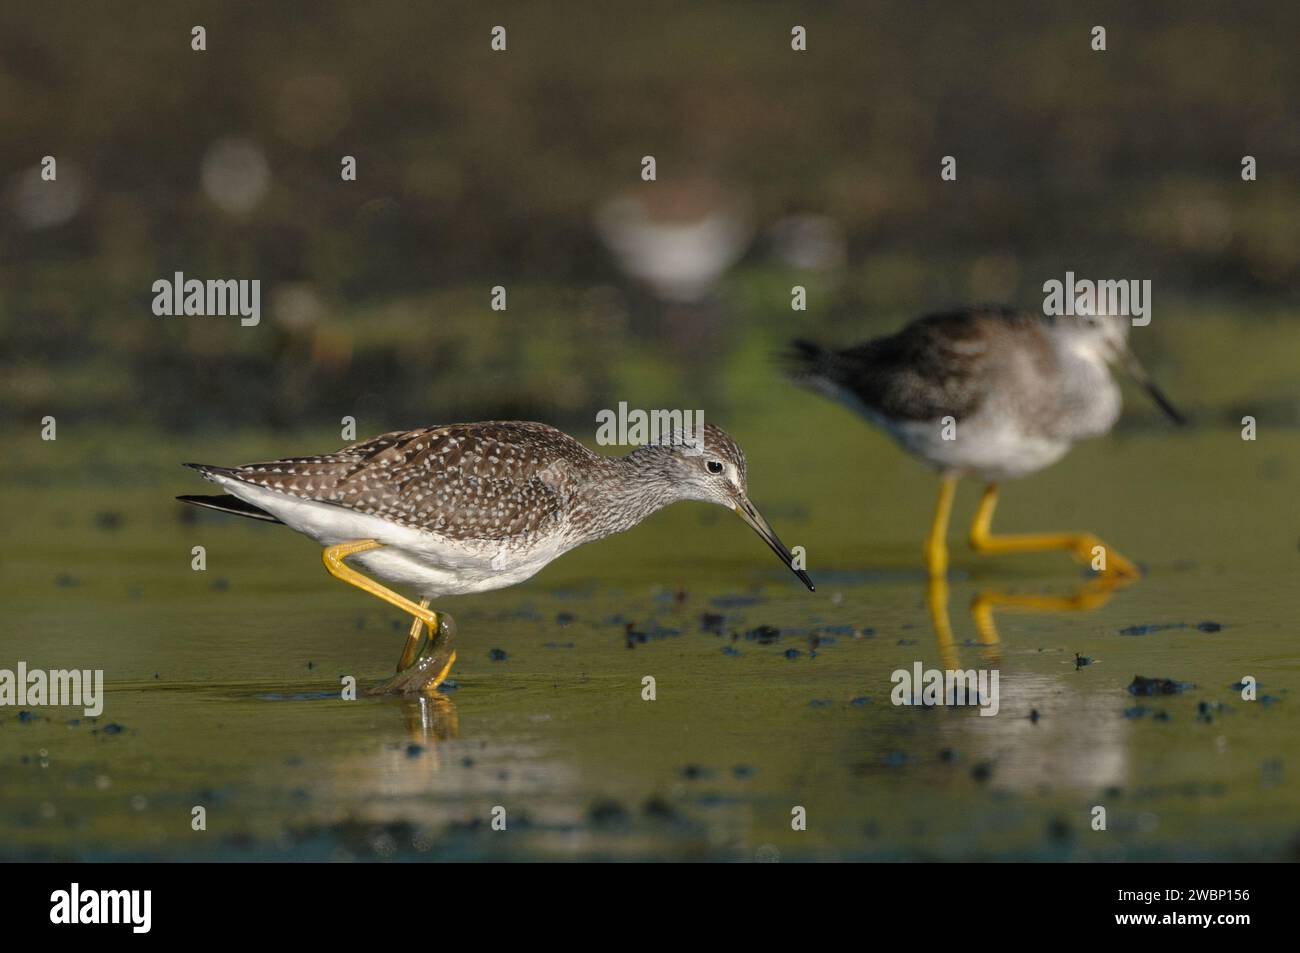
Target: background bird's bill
x=1139 y=374
x=761 y=526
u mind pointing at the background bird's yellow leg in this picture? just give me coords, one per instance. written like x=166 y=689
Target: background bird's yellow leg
x=936 y=544
x=1080 y=545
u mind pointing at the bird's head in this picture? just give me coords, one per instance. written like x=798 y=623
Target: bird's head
x=709 y=465
x=1104 y=337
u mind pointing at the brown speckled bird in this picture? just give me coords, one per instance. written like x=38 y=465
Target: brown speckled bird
x=470 y=507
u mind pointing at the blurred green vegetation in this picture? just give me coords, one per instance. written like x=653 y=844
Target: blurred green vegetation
x=478 y=168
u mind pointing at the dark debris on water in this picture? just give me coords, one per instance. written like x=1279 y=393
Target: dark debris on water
x=1161 y=627
x=1143 y=685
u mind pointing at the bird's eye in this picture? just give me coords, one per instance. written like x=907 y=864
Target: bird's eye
x=714 y=466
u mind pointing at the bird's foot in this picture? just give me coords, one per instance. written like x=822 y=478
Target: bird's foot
x=1104 y=560
x=434 y=657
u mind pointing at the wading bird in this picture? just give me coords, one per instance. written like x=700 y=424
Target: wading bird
x=466 y=508
x=992 y=393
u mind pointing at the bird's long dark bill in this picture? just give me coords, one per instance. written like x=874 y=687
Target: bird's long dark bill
x=755 y=519
x=1139 y=374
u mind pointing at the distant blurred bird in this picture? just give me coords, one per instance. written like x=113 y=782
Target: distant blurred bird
x=466 y=508
x=809 y=242
x=677 y=238
x=992 y=393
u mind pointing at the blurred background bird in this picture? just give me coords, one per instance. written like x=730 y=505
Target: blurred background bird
x=991 y=393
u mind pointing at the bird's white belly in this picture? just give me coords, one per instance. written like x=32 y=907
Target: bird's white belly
x=431 y=564
x=985 y=448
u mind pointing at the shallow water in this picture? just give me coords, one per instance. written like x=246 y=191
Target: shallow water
x=225 y=682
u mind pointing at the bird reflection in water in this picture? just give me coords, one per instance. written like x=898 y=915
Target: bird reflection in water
x=1090 y=595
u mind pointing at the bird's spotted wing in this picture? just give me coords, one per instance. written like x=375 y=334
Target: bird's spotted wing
x=484 y=481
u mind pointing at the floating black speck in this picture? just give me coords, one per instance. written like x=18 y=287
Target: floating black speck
x=1206 y=711
x=413 y=750
x=1148 y=629
x=1142 y=685
x=982 y=771
x=764 y=634
x=1058 y=830
x=498 y=655
x=659 y=809
x=605 y=813
x=712 y=622
x=792 y=653
x=310 y=665
x=1033 y=715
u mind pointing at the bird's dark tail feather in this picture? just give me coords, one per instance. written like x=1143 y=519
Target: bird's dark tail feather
x=229 y=504
x=804 y=359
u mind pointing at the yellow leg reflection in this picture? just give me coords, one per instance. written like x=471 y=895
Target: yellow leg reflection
x=1091 y=595
x=936 y=597
x=430 y=717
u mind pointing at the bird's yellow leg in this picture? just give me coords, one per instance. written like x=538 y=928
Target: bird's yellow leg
x=936 y=544
x=334 y=557
x=1085 y=547
x=414 y=639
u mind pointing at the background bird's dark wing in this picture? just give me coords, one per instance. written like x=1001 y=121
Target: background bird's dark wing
x=936 y=366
